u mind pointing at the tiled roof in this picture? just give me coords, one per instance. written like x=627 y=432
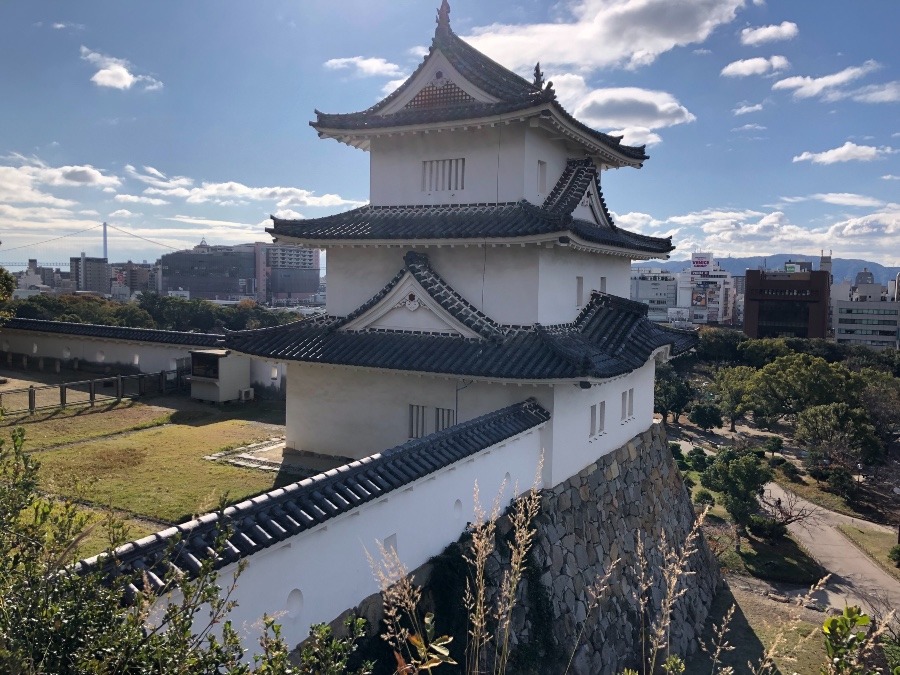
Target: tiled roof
x=172 y=337
x=610 y=337
x=571 y=186
x=514 y=93
x=272 y=517
x=462 y=221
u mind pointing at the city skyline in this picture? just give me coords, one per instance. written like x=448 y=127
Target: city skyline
x=769 y=128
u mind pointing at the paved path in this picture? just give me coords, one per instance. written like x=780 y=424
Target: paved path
x=855 y=579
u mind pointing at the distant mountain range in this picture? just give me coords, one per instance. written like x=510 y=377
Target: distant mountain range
x=841 y=268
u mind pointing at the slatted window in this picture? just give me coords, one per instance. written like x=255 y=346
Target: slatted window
x=624 y=405
x=593 y=431
x=542 y=177
x=631 y=402
x=601 y=417
x=443 y=175
x=416 y=421
x=443 y=418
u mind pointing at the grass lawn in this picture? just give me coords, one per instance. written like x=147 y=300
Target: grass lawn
x=783 y=560
x=758 y=623
x=50 y=429
x=158 y=472
x=807 y=488
x=875 y=543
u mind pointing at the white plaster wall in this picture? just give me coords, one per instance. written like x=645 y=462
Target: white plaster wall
x=151 y=357
x=508 y=276
x=573 y=448
x=559 y=269
x=316 y=575
x=494 y=166
x=512 y=285
x=353 y=412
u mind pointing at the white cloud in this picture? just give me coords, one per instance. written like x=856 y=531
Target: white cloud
x=116 y=73
x=365 y=66
x=123 y=213
x=194 y=220
x=637 y=136
x=157 y=178
x=137 y=199
x=288 y=213
x=60 y=25
x=848 y=152
x=604 y=33
x=890 y=176
x=847 y=199
x=809 y=87
x=634 y=112
x=702 y=52
x=889 y=92
x=750 y=127
x=756 y=66
x=745 y=108
x=418 y=52
x=232 y=192
x=783 y=31
x=391 y=85
x=838 y=199
x=73 y=176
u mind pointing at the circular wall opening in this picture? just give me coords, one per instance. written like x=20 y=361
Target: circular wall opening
x=294 y=603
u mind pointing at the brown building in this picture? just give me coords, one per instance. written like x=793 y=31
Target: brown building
x=786 y=304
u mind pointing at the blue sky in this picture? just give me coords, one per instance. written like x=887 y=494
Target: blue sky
x=771 y=126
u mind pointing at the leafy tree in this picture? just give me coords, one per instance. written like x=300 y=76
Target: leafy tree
x=732 y=387
x=758 y=353
x=791 y=384
x=719 y=345
x=706 y=416
x=839 y=432
x=774 y=444
x=739 y=476
x=671 y=393
x=880 y=398
x=55 y=618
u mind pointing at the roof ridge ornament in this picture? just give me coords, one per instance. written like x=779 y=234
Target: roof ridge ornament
x=538 y=76
x=443 y=16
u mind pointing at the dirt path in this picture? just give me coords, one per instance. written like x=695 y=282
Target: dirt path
x=855 y=579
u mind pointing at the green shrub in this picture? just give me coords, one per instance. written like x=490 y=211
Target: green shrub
x=894 y=555
x=790 y=471
x=675 y=449
x=840 y=481
x=767 y=528
x=689 y=482
x=776 y=461
x=682 y=465
x=704 y=497
x=698 y=459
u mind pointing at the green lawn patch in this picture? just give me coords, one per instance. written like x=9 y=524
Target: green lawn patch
x=808 y=488
x=783 y=560
x=50 y=429
x=158 y=472
x=875 y=544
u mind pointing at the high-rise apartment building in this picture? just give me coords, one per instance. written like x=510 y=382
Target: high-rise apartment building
x=784 y=303
x=90 y=274
x=656 y=288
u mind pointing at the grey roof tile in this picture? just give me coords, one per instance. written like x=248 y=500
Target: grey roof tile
x=117 y=332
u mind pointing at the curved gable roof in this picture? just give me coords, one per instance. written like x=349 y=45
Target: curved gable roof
x=513 y=93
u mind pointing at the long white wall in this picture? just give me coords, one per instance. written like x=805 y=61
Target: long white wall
x=354 y=413
x=318 y=574
x=146 y=357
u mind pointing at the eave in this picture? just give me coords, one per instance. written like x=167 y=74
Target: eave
x=545 y=115
x=563 y=239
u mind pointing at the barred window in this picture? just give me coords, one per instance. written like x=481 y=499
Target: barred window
x=416 y=420
x=443 y=175
x=443 y=418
